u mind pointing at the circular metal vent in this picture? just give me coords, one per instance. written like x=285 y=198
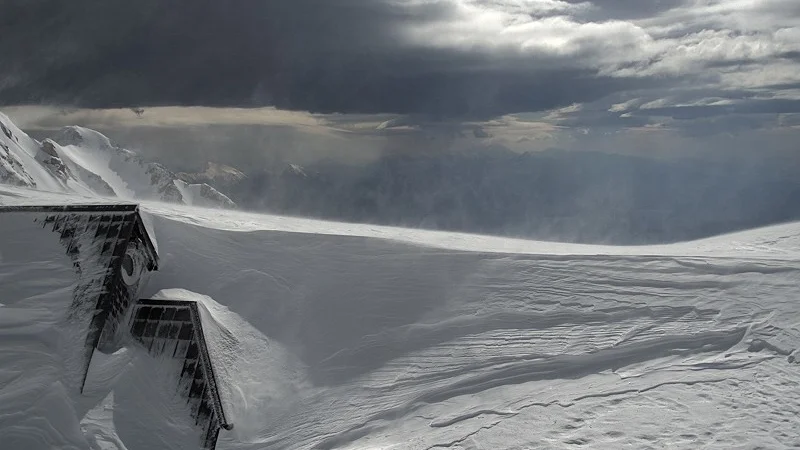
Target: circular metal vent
x=133 y=264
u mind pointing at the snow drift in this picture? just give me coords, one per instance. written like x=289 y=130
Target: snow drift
x=86 y=162
x=351 y=336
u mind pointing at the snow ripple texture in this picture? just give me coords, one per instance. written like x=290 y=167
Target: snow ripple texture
x=387 y=343
x=357 y=337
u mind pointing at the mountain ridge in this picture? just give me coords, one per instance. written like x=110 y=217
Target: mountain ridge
x=83 y=161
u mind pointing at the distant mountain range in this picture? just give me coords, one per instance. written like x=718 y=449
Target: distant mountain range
x=86 y=162
x=556 y=195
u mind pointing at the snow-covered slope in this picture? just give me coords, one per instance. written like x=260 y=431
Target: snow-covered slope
x=215 y=174
x=86 y=162
x=359 y=337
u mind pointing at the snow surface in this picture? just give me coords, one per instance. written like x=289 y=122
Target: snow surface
x=331 y=335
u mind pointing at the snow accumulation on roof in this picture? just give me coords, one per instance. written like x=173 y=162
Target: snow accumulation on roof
x=174 y=328
x=111 y=254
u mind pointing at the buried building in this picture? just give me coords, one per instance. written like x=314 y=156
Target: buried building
x=76 y=272
x=110 y=253
x=174 y=329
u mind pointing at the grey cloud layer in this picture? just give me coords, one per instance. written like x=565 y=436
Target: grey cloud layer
x=446 y=58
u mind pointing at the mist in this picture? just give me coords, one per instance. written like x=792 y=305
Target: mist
x=634 y=187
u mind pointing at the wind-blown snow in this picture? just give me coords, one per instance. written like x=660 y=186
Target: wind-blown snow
x=352 y=336
x=39 y=349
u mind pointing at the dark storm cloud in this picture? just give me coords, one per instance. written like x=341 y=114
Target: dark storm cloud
x=321 y=56
x=205 y=52
x=777 y=106
x=434 y=58
x=729 y=112
x=626 y=9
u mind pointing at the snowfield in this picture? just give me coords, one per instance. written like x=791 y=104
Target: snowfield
x=343 y=336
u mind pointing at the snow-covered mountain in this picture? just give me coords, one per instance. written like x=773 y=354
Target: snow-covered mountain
x=215 y=174
x=346 y=336
x=86 y=162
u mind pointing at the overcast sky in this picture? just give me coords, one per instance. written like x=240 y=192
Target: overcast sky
x=567 y=69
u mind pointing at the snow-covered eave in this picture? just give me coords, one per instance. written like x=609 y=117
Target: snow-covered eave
x=15 y=195
x=140 y=227
x=76 y=208
x=204 y=355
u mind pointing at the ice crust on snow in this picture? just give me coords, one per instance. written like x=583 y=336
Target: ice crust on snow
x=346 y=336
